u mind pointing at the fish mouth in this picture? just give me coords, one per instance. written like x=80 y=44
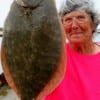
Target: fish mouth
x=29 y=4
x=21 y=3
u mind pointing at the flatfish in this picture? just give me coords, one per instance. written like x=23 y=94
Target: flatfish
x=33 y=50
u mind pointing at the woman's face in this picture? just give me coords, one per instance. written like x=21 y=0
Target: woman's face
x=78 y=26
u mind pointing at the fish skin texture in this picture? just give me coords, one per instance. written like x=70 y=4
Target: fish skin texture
x=31 y=46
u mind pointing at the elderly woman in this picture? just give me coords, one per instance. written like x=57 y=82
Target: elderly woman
x=82 y=77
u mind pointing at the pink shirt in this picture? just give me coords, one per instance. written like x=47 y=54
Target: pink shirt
x=82 y=78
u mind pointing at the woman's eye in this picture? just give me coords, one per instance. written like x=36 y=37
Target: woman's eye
x=68 y=20
x=81 y=17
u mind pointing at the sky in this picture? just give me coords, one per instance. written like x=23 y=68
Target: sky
x=5 y=6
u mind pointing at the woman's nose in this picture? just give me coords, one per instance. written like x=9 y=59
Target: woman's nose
x=74 y=24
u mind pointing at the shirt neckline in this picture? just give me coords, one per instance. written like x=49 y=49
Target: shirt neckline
x=85 y=55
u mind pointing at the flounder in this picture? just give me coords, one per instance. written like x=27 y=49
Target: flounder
x=33 y=49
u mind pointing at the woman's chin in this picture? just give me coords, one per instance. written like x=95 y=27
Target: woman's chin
x=76 y=41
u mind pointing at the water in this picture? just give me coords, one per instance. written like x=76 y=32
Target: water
x=1 y=69
x=97 y=37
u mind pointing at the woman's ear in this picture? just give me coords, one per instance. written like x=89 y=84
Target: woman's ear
x=94 y=26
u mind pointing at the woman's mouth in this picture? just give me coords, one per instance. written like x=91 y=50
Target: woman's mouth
x=76 y=34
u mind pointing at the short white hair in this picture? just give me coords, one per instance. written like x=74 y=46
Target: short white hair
x=86 y=5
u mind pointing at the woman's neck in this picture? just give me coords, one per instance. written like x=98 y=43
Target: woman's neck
x=85 y=48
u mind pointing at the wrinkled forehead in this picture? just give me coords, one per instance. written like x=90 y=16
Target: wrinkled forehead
x=77 y=13
x=79 y=9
